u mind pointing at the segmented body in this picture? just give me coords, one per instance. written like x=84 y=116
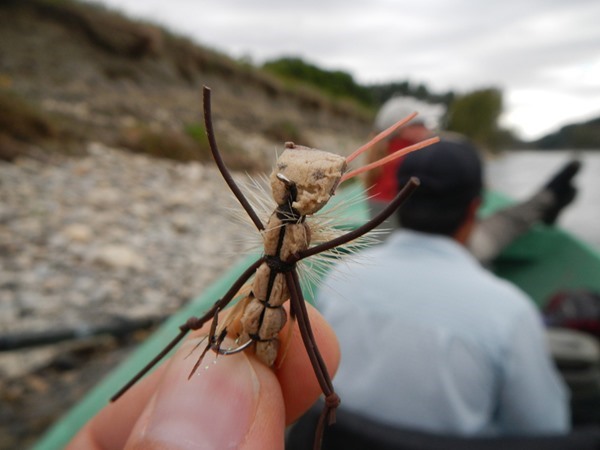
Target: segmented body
x=264 y=317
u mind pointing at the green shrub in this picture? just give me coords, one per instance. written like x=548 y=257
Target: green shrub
x=23 y=120
x=285 y=131
x=168 y=144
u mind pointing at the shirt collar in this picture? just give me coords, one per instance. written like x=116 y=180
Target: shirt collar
x=427 y=242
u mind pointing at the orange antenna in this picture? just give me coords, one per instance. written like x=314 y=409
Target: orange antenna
x=387 y=159
x=380 y=136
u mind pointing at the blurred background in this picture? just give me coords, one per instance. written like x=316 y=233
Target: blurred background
x=111 y=212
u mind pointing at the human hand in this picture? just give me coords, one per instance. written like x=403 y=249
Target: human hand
x=561 y=186
x=234 y=401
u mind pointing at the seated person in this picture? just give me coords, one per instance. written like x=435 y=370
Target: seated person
x=492 y=234
x=431 y=340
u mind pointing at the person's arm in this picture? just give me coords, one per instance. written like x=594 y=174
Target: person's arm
x=229 y=402
x=494 y=233
x=533 y=398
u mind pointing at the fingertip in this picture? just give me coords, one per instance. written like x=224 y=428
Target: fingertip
x=215 y=406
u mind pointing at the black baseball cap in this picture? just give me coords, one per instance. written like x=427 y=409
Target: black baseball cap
x=451 y=176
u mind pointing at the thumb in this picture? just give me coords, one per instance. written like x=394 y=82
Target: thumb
x=216 y=408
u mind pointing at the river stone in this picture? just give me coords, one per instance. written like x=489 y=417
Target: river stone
x=78 y=232
x=119 y=257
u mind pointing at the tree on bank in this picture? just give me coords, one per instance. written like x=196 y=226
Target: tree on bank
x=476 y=115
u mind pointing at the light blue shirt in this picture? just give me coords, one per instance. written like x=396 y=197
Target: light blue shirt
x=433 y=341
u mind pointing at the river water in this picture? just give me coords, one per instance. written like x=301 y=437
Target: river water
x=519 y=174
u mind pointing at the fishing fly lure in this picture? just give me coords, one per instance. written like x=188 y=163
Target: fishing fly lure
x=302 y=182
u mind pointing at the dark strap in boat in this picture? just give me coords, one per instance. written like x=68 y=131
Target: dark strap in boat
x=353 y=432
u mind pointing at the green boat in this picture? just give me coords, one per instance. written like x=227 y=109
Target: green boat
x=545 y=261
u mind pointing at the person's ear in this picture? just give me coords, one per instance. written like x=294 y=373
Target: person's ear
x=464 y=231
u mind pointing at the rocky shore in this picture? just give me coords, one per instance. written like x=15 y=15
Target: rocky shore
x=105 y=237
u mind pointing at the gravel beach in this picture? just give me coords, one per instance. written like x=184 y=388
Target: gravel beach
x=92 y=240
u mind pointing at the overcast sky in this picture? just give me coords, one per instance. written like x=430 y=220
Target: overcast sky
x=543 y=54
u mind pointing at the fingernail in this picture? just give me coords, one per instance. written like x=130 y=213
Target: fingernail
x=213 y=409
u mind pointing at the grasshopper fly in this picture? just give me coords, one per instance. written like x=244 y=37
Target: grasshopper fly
x=302 y=182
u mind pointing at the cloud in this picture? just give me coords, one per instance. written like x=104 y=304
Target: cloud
x=542 y=53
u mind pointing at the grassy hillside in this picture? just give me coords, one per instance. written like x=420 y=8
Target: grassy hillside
x=585 y=135
x=87 y=73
